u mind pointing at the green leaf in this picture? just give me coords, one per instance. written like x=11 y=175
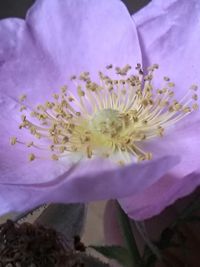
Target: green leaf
x=67 y=219
x=129 y=238
x=117 y=253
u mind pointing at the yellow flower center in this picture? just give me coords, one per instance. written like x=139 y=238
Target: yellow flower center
x=108 y=117
x=107 y=122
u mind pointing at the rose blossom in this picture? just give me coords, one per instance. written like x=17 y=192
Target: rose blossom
x=169 y=33
x=96 y=121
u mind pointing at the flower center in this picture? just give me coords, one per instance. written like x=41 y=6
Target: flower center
x=105 y=118
x=107 y=122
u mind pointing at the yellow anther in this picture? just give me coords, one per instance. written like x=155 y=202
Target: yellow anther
x=80 y=91
x=23 y=108
x=194 y=87
x=195 y=97
x=187 y=109
x=64 y=89
x=33 y=114
x=107 y=116
x=56 y=96
x=195 y=106
x=31 y=157
x=49 y=105
x=23 y=117
x=170 y=84
x=13 y=140
x=149 y=156
x=22 y=98
x=89 y=152
x=70 y=99
x=61 y=149
x=121 y=163
x=160 y=131
x=170 y=93
x=37 y=135
x=54 y=157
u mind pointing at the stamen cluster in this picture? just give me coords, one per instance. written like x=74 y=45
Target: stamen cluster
x=106 y=117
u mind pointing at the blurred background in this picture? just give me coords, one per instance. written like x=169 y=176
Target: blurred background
x=18 y=8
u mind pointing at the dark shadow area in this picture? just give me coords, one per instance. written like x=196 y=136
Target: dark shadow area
x=14 y=8
x=18 y=8
x=135 y=5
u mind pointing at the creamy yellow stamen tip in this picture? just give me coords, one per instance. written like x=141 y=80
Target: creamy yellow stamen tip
x=22 y=98
x=31 y=157
x=109 y=117
x=54 y=157
x=13 y=140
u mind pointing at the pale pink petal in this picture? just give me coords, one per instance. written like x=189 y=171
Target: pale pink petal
x=84 y=34
x=61 y=38
x=174 y=46
x=182 y=140
x=163 y=193
x=37 y=56
x=169 y=34
x=88 y=180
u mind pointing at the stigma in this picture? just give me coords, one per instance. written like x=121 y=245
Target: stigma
x=105 y=117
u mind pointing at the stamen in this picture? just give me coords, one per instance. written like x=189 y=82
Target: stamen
x=105 y=118
x=31 y=157
x=13 y=140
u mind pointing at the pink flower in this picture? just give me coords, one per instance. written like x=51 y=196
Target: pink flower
x=169 y=33
x=56 y=40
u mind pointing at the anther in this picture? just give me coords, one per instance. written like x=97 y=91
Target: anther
x=13 y=140
x=31 y=157
x=112 y=115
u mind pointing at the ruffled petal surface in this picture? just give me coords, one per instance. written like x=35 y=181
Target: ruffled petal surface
x=83 y=182
x=160 y=195
x=169 y=33
x=60 y=38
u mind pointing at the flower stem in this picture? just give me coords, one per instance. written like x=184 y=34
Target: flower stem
x=136 y=260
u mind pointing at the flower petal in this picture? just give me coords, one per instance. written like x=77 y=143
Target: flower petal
x=61 y=38
x=81 y=183
x=163 y=193
x=58 y=38
x=175 y=44
x=183 y=140
x=87 y=35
